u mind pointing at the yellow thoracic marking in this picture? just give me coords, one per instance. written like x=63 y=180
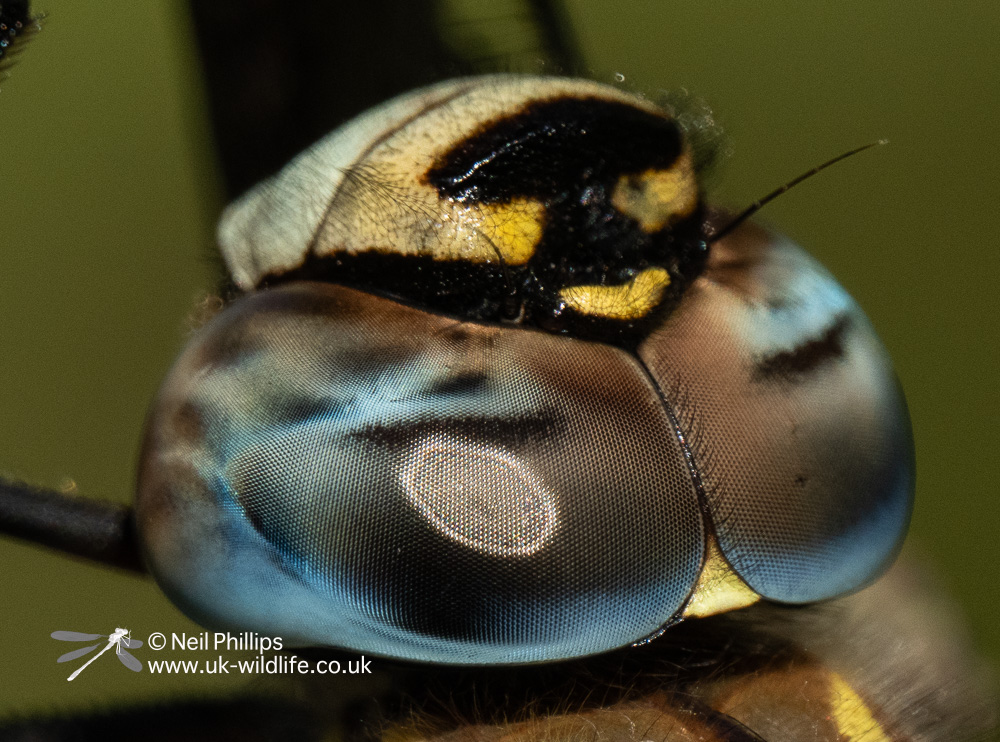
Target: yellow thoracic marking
x=511 y=229
x=654 y=198
x=626 y=301
x=854 y=719
x=719 y=588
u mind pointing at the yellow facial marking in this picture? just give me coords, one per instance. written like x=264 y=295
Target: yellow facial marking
x=626 y=301
x=512 y=229
x=654 y=198
x=854 y=719
x=719 y=588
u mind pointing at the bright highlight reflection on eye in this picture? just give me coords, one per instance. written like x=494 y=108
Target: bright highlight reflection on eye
x=480 y=496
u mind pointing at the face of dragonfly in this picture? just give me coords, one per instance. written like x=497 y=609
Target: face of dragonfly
x=103 y=352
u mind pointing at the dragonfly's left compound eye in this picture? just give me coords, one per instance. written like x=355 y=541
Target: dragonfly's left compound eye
x=491 y=397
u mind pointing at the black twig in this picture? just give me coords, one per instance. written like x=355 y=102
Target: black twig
x=94 y=529
x=557 y=35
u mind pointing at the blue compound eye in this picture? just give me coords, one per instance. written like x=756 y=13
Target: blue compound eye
x=491 y=396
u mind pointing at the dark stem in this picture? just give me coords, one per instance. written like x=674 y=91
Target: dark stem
x=94 y=529
x=281 y=74
x=556 y=32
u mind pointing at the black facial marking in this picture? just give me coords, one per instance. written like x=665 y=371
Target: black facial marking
x=456 y=287
x=566 y=154
x=569 y=154
x=556 y=149
x=792 y=365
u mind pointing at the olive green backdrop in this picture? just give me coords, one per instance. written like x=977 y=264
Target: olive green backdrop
x=108 y=195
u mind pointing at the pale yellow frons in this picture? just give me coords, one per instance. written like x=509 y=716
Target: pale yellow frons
x=655 y=198
x=719 y=588
x=512 y=228
x=631 y=300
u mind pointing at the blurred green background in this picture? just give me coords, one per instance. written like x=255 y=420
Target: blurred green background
x=108 y=195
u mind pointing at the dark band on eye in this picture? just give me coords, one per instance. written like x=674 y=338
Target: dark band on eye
x=462 y=384
x=792 y=365
x=513 y=431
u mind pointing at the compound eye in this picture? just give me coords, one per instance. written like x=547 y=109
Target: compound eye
x=337 y=469
x=790 y=406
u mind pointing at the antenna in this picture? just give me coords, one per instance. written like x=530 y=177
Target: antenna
x=759 y=204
